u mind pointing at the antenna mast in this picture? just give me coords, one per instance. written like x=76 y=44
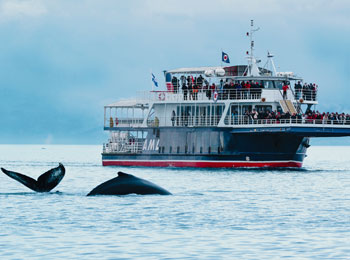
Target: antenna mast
x=270 y=60
x=253 y=68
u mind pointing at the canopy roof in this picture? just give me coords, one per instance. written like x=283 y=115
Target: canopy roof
x=263 y=76
x=130 y=103
x=195 y=70
x=266 y=78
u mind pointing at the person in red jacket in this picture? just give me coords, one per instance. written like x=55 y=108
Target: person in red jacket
x=285 y=88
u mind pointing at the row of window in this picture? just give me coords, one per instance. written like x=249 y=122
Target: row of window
x=218 y=150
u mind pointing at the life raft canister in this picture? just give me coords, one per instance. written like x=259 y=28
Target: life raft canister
x=216 y=94
x=161 y=96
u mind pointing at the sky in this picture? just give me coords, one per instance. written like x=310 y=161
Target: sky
x=61 y=61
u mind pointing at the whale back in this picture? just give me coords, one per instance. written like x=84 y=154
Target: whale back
x=128 y=184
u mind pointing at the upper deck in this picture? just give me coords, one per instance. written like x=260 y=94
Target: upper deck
x=210 y=96
x=160 y=109
x=221 y=96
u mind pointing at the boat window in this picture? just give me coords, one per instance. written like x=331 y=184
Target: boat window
x=278 y=84
x=246 y=108
x=233 y=110
x=263 y=108
x=268 y=84
x=234 y=107
x=151 y=115
x=203 y=115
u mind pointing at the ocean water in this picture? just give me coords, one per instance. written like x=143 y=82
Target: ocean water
x=212 y=214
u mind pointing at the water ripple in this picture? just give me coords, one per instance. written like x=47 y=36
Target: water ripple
x=213 y=214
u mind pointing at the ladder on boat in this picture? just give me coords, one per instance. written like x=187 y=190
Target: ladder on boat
x=287 y=106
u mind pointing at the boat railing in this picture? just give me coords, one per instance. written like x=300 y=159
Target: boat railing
x=206 y=95
x=235 y=120
x=305 y=94
x=253 y=94
x=125 y=122
x=249 y=120
x=123 y=146
x=184 y=121
x=263 y=94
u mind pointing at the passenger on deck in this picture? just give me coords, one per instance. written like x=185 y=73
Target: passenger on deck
x=189 y=87
x=254 y=85
x=175 y=83
x=259 y=89
x=184 y=90
x=212 y=90
x=195 y=92
x=189 y=82
x=183 y=80
x=255 y=115
x=298 y=90
x=208 y=93
x=309 y=91
x=225 y=90
x=247 y=89
x=285 y=88
x=305 y=91
x=200 y=80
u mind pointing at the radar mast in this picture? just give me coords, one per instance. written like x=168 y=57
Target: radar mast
x=253 y=69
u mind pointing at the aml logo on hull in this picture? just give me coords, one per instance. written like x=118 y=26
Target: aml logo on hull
x=151 y=145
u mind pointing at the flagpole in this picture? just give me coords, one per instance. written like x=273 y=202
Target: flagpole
x=152 y=81
x=221 y=57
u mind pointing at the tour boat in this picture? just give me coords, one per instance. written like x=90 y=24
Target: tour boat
x=219 y=117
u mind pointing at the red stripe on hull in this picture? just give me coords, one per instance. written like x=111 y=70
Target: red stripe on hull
x=202 y=164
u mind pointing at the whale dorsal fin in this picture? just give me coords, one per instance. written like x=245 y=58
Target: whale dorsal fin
x=123 y=174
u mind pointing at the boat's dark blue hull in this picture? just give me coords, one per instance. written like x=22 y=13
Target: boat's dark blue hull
x=214 y=147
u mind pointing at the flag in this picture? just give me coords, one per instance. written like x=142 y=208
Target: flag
x=225 y=57
x=155 y=82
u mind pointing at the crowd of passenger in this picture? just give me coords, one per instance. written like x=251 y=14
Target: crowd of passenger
x=311 y=117
x=190 y=87
x=306 y=91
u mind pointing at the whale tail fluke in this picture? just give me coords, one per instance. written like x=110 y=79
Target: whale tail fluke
x=45 y=183
x=25 y=180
